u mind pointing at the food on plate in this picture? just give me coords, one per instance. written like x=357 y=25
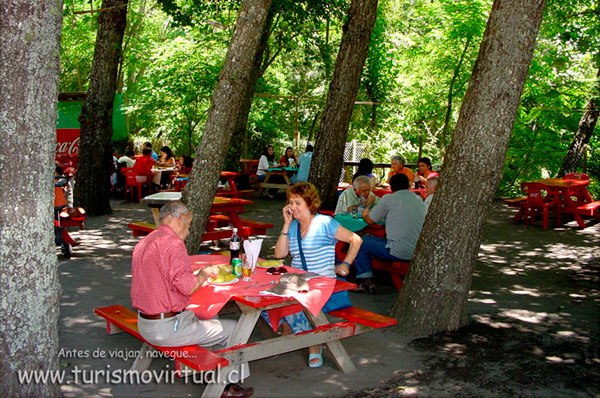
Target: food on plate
x=269 y=263
x=222 y=278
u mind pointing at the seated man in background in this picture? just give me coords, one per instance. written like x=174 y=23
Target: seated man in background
x=430 y=186
x=397 y=167
x=162 y=283
x=404 y=213
x=359 y=194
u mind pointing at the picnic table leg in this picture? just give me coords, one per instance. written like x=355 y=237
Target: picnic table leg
x=236 y=221
x=156 y=215
x=144 y=358
x=335 y=348
x=245 y=324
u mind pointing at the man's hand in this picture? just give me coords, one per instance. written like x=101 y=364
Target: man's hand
x=365 y=216
x=208 y=272
x=370 y=200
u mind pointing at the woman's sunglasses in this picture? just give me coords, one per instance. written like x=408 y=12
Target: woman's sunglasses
x=276 y=270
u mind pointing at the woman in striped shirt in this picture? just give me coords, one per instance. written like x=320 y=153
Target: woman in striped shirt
x=318 y=234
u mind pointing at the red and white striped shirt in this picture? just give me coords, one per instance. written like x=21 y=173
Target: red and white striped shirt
x=162 y=273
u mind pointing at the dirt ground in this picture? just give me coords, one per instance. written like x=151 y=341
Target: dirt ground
x=533 y=332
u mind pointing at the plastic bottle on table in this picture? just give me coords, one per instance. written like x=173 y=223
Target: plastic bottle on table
x=234 y=245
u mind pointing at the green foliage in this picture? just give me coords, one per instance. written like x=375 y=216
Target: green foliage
x=174 y=49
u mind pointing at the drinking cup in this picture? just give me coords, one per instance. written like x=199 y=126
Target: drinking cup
x=247 y=269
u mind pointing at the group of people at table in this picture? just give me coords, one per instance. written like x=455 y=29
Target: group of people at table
x=297 y=168
x=144 y=164
x=163 y=280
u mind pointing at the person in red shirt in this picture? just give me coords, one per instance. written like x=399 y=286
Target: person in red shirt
x=425 y=172
x=284 y=161
x=162 y=282
x=143 y=167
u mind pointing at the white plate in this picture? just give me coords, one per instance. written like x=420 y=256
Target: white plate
x=231 y=282
x=268 y=263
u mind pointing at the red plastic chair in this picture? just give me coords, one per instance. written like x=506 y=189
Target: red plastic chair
x=133 y=181
x=539 y=200
x=577 y=176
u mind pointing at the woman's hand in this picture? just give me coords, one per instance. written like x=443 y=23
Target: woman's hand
x=287 y=215
x=342 y=269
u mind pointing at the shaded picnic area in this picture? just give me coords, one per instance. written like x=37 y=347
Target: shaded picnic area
x=534 y=309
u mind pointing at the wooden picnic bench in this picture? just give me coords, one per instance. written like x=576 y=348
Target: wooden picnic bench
x=120 y=319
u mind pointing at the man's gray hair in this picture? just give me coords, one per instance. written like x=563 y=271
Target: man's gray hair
x=399 y=158
x=361 y=180
x=432 y=181
x=174 y=210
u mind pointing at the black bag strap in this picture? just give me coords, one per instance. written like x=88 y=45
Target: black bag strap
x=304 y=267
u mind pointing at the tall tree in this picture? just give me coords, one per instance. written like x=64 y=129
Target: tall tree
x=328 y=156
x=30 y=34
x=240 y=141
x=434 y=296
x=95 y=155
x=584 y=132
x=232 y=87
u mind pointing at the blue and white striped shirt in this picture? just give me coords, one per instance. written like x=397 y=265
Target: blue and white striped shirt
x=318 y=245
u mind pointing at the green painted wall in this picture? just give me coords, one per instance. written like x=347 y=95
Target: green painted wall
x=68 y=112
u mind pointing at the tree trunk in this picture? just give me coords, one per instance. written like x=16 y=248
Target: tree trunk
x=328 y=156
x=584 y=133
x=92 y=186
x=434 y=295
x=240 y=137
x=234 y=84
x=30 y=35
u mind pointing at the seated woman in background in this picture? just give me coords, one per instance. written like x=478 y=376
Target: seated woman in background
x=266 y=162
x=425 y=172
x=166 y=156
x=318 y=236
x=397 y=167
x=289 y=158
x=365 y=168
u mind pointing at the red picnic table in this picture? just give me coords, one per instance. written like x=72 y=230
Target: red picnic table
x=209 y=299
x=572 y=197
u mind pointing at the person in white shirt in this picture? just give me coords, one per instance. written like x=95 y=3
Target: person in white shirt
x=359 y=194
x=430 y=186
x=266 y=162
x=127 y=159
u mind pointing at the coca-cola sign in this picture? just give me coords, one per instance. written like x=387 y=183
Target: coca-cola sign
x=67 y=142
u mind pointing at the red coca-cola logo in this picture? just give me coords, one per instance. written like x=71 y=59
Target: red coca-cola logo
x=68 y=148
x=67 y=141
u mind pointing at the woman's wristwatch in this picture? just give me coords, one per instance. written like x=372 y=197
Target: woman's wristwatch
x=285 y=233
x=345 y=262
